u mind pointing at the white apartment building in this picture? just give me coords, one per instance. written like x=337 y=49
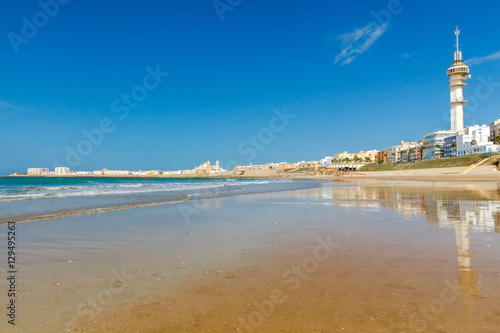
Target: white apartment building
x=38 y=171
x=62 y=170
x=393 y=155
x=371 y=154
x=326 y=161
x=394 y=152
x=494 y=130
x=479 y=134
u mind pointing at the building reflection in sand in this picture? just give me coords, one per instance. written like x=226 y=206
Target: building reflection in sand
x=465 y=207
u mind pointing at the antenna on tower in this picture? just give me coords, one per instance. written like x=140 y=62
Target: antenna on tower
x=457 y=33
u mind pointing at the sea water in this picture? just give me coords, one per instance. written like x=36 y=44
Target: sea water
x=34 y=198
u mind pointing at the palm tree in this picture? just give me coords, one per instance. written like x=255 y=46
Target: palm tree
x=473 y=143
x=436 y=146
x=497 y=138
x=367 y=159
x=401 y=152
x=424 y=147
x=453 y=146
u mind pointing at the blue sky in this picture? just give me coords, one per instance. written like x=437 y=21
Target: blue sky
x=350 y=84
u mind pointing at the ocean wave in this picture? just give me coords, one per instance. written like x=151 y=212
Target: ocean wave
x=92 y=189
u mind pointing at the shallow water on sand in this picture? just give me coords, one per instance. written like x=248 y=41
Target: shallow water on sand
x=26 y=199
x=378 y=256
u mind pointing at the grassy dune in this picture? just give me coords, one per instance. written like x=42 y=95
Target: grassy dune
x=448 y=162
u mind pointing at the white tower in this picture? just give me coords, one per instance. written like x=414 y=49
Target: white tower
x=458 y=73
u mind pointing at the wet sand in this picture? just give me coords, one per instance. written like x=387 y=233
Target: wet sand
x=388 y=257
x=369 y=289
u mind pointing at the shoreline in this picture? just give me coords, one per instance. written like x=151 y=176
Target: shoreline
x=480 y=173
x=407 y=175
x=106 y=209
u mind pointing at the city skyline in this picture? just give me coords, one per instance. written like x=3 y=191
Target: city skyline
x=208 y=92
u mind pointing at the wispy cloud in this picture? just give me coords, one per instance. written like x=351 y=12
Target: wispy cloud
x=358 y=42
x=480 y=60
x=10 y=106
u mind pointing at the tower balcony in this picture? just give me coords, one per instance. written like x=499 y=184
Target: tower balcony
x=458 y=70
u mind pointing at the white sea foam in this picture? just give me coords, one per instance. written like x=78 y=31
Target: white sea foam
x=92 y=189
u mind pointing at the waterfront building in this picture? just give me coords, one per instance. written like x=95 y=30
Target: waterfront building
x=259 y=167
x=382 y=156
x=326 y=161
x=61 y=170
x=116 y=172
x=206 y=167
x=404 y=155
x=266 y=166
x=450 y=146
x=415 y=152
x=37 y=171
x=343 y=156
x=243 y=167
x=475 y=140
x=434 y=143
x=458 y=73
x=367 y=156
x=285 y=166
x=395 y=153
x=106 y=172
x=495 y=130
x=309 y=164
x=412 y=153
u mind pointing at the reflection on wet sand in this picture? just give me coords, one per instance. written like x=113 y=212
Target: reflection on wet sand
x=394 y=271
x=466 y=208
x=442 y=203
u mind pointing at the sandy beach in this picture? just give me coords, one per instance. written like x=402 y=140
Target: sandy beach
x=234 y=166
x=405 y=256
